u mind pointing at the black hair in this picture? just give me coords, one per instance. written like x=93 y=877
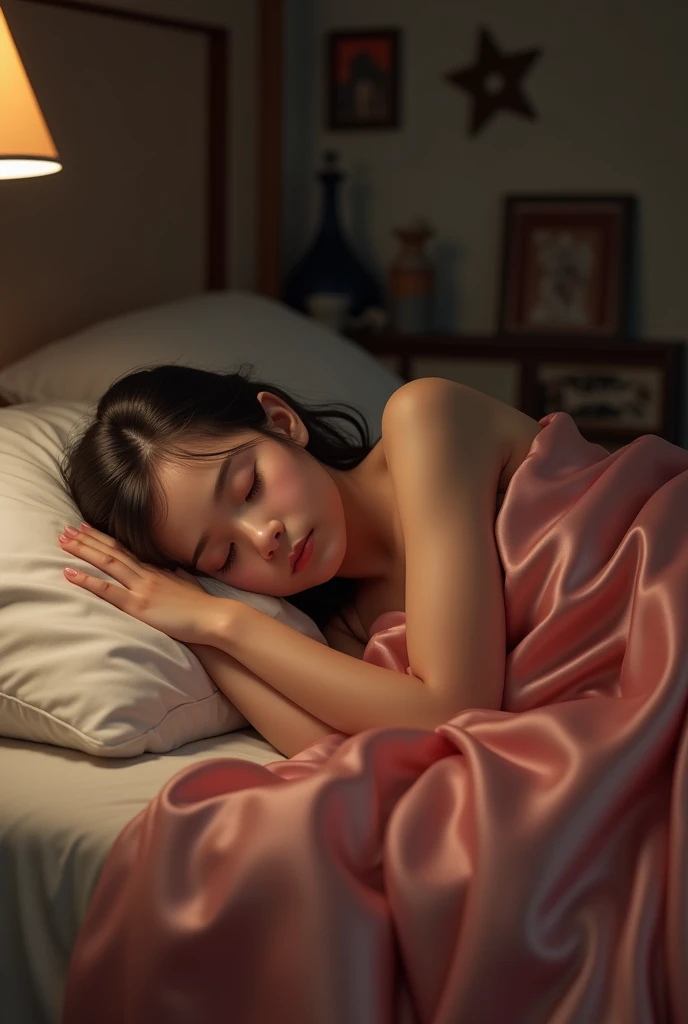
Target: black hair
x=111 y=468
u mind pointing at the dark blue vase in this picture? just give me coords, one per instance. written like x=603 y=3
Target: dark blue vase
x=330 y=265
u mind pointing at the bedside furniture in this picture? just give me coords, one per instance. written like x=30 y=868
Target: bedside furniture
x=615 y=390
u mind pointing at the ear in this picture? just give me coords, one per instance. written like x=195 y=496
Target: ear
x=282 y=418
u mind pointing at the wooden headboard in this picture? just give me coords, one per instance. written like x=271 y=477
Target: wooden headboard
x=169 y=131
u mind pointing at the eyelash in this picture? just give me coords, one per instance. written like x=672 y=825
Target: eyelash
x=255 y=487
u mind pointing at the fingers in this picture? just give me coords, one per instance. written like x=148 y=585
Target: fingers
x=92 y=532
x=108 y=541
x=95 y=536
x=112 y=559
x=111 y=593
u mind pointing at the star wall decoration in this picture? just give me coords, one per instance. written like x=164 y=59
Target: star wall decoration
x=494 y=81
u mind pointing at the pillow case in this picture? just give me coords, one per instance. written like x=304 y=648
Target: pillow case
x=214 y=331
x=74 y=670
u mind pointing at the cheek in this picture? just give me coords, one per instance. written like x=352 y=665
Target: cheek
x=288 y=491
x=298 y=491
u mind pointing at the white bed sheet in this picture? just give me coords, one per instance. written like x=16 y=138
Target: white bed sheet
x=60 y=812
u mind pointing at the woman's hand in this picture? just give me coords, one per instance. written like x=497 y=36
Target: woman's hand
x=173 y=602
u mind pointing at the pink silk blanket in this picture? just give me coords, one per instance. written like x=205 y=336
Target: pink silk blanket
x=523 y=865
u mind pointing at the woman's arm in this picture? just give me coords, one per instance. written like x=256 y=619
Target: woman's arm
x=446 y=446
x=289 y=728
x=336 y=688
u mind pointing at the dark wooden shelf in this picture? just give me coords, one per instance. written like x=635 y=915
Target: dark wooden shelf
x=533 y=351
x=495 y=346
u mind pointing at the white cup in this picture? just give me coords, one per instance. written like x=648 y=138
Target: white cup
x=329 y=308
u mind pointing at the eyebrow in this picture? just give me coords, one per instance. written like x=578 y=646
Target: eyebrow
x=217 y=494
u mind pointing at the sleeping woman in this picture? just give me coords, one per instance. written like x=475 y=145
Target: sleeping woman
x=184 y=472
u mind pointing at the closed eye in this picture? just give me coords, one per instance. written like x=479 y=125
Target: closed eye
x=255 y=487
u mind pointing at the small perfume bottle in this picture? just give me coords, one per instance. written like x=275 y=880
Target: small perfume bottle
x=412 y=281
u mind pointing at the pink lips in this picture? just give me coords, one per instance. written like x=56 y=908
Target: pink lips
x=302 y=553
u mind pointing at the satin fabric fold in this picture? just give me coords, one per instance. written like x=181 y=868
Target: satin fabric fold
x=524 y=865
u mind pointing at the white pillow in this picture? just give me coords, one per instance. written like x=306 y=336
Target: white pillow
x=214 y=331
x=74 y=670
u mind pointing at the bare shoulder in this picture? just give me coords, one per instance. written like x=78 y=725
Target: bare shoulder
x=427 y=404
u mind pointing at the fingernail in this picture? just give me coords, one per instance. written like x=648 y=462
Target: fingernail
x=87 y=525
x=70 y=572
x=71 y=531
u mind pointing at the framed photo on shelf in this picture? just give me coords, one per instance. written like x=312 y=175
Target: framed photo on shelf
x=363 y=79
x=566 y=265
x=611 y=403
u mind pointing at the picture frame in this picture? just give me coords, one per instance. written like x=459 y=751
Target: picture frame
x=362 y=70
x=612 y=400
x=566 y=265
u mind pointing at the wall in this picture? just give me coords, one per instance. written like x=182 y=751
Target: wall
x=123 y=224
x=610 y=91
x=241 y=17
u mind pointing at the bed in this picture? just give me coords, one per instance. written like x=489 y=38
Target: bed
x=60 y=813
x=160 y=861
x=193 y=152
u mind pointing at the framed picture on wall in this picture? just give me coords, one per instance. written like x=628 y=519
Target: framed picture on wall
x=566 y=265
x=607 y=400
x=363 y=79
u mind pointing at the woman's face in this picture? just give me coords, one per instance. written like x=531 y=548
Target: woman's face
x=252 y=509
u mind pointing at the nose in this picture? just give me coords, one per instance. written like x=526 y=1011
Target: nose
x=267 y=538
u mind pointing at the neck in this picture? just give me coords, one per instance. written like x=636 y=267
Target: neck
x=371 y=548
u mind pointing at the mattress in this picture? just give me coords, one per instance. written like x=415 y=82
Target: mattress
x=60 y=812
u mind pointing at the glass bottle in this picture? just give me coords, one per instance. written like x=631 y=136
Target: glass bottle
x=329 y=281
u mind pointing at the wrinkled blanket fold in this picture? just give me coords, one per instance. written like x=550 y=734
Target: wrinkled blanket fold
x=524 y=865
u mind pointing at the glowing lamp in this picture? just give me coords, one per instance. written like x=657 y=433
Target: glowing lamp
x=26 y=146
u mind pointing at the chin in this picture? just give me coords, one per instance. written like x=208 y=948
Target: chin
x=299 y=585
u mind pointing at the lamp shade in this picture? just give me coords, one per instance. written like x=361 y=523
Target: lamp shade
x=26 y=146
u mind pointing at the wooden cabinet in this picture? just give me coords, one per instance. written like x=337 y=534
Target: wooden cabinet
x=615 y=390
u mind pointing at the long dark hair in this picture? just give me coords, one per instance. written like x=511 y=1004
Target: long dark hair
x=111 y=469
